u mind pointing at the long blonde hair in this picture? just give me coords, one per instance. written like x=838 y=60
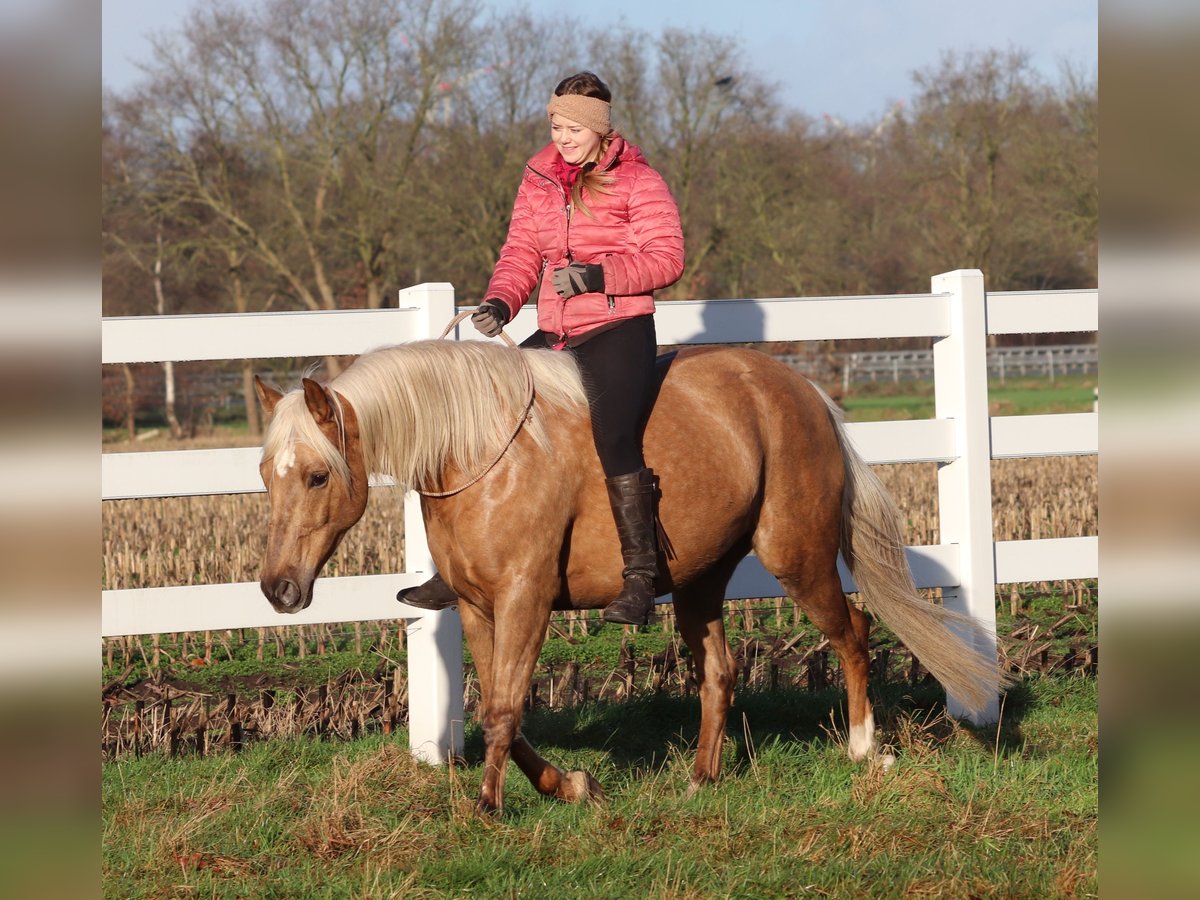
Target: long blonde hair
x=593 y=180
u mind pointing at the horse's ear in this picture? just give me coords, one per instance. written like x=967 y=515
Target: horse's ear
x=318 y=402
x=267 y=395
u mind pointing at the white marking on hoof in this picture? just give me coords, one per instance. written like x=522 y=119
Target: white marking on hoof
x=886 y=761
x=862 y=738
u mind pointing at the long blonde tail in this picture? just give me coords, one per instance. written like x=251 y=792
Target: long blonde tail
x=872 y=545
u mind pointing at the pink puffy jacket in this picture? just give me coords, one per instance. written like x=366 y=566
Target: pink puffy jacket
x=635 y=236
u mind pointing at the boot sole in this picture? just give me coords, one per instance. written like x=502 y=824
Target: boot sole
x=617 y=619
x=433 y=605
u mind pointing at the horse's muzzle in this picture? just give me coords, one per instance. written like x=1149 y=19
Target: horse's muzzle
x=286 y=596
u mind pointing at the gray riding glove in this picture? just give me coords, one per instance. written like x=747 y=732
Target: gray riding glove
x=490 y=318
x=578 y=278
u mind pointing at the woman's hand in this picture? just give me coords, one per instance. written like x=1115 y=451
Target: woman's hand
x=578 y=278
x=490 y=318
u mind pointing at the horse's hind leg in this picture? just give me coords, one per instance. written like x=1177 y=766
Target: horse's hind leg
x=698 y=611
x=847 y=628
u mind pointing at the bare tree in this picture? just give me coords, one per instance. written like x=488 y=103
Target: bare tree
x=489 y=123
x=330 y=151
x=706 y=99
x=967 y=118
x=134 y=212
x=330 y=100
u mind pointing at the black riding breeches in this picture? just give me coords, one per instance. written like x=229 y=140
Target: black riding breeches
x=617 y=366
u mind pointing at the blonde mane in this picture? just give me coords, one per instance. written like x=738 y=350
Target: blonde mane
x=426 y=404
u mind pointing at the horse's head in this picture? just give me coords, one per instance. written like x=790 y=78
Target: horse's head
x=316 y=482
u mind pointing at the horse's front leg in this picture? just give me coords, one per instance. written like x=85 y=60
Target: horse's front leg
x=552 y=781
x=519 y=630
x=480 y=629
x=698 y=611
x=518 y=634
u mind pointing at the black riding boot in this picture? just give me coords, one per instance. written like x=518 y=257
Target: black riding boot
x=433 y=594
x=632 y=500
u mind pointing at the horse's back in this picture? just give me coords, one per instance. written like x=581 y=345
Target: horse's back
x=755 y=399
x=735 y=437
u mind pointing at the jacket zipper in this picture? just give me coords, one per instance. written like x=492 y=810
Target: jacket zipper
x=567 y=211
x=612 y=299
x=562 y=307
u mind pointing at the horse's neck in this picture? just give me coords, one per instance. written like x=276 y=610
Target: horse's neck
x=388 y=418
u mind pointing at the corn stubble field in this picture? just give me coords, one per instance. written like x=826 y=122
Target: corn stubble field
x=201 y=540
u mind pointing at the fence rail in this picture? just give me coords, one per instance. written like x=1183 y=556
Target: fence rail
x=967 y=565
x=1049 y=361
x=224 y=390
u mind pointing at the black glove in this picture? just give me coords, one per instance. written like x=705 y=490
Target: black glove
x=490 y=318
x=578 y=278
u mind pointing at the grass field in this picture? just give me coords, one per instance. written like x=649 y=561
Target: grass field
x=885 y=400
x=1007 y=812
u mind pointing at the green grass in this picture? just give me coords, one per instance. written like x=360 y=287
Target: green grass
x=1008 y=812
x=881 y=401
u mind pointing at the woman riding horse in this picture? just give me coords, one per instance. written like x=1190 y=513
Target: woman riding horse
x=592 y=211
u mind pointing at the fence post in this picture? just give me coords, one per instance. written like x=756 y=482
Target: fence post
x=435 y=657
x=435 y=686
x=965 y=485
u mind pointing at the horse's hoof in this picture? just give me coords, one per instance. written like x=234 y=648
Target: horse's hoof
x=861 y=743
x=486 y=810
x=578 y=785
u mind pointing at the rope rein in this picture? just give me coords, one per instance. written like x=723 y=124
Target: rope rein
x=521 y=419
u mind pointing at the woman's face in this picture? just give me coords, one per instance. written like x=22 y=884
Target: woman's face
x=577 y=143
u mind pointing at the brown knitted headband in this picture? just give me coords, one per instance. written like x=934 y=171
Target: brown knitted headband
x=590 y=112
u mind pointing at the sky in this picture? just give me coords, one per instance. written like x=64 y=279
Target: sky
x=850 y=59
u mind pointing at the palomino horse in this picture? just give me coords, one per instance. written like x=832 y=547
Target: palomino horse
x=750 y=456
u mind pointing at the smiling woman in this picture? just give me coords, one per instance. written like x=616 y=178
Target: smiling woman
x=596 y=218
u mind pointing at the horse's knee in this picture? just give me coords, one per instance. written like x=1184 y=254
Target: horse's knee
x=717 y=682
x=724 y=675
x=499 y=728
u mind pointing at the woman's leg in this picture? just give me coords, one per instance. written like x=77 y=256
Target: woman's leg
x=618 y=371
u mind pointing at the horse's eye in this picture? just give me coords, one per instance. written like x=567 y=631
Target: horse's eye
x=318 y=479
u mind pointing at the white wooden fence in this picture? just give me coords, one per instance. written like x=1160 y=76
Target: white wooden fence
x=961 y=437
x=1046 y=361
